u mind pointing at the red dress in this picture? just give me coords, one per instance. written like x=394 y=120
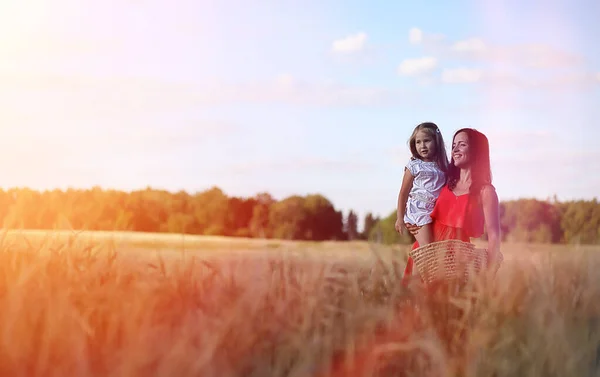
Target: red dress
x=454 y=218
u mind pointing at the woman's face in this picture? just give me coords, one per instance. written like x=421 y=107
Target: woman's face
x=460 y=150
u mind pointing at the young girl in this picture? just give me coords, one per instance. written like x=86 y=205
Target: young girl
x=424 y=177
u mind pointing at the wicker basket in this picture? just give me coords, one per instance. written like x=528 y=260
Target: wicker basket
x=450 y=260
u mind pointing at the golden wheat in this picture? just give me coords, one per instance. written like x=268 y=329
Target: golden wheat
x=81 y=307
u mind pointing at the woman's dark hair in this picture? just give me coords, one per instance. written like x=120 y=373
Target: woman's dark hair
x=479 y=160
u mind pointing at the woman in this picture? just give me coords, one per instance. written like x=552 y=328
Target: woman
x=466 y=202
x=469 y=200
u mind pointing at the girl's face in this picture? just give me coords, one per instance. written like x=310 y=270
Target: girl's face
x=460 y=150
x=425 y=146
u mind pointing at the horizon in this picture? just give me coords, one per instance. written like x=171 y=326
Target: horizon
x=256 y=194
x=129 y=95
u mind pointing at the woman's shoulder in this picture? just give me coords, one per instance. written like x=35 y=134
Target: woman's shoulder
x=488 y=188
x=488 y=192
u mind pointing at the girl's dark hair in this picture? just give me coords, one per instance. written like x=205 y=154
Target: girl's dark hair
x=479 y=159
x=432 y=130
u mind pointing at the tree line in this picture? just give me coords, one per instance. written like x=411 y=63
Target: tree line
x=210 y=212
x=310 y=217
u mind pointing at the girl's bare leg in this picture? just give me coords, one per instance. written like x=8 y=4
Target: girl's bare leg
x=425 y=235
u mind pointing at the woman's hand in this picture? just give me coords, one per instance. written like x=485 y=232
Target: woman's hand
x=413 y=229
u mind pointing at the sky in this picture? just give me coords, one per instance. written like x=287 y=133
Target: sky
x=295 y=97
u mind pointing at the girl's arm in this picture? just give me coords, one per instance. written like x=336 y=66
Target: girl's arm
x=407 y=182
x=489 y=200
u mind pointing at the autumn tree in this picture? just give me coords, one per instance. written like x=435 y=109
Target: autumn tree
x=530 y=220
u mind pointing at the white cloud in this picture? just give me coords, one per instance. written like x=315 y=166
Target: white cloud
x=352 y=43
x=417 y=66
x=461 y=75
x=566 y=81
x=534 y=56
x=510 y=80
x=475 y=49
x=469 y=45
x=517 y=66
x=415 y=36
x=542 y=56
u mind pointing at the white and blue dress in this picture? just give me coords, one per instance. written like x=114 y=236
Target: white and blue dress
x=428 y=182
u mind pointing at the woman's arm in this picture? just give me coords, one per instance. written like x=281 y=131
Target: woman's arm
x=491 y=214
x=407 y=182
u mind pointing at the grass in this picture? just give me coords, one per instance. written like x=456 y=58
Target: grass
x=86 y=306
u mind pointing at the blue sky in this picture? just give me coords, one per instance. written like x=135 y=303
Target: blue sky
x=295 y=97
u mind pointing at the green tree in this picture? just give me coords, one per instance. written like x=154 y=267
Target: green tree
x=259 y=222
x=384 y=231
x=323 y=222
x=288 y=218
x=368 y=224
x=580 y=221
x=351 y=226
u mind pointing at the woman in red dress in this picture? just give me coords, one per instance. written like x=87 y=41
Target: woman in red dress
x=464 y=206
x=469 y=200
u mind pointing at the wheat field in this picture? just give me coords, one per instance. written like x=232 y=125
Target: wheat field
x=123 y=304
